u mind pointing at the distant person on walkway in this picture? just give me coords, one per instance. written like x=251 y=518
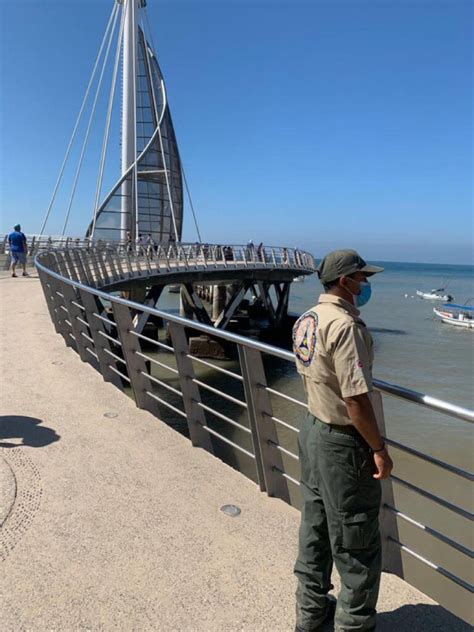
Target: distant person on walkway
x=149 y=243
x=128 y=242
x=18 y=249
x=342 y=454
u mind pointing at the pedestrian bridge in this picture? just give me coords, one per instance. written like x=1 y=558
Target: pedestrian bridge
x=237 y=411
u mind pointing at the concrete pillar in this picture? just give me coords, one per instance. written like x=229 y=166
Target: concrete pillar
x=218 y=302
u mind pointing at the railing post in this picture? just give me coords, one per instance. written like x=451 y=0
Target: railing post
x=102 y=345
x=191 y=396
x=48 y=295
x=78 y=328
x=83 y=278
x=136 y=365
x=61 y=311
x=101 y=254
x=117 y=265
x=93 y=259
x=63 y=271
x=264 y=434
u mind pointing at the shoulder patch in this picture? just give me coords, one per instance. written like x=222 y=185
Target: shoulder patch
x=304 y=337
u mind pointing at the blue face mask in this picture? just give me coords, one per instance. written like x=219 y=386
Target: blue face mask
x=365 y=293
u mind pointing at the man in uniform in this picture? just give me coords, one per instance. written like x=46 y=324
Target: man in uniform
x=342 y=454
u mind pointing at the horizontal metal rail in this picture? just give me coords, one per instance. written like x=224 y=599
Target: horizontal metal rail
x=221 y=393
x=104 y=319
x=223 y=417
x=228 y=441
x=111 y=338
x=430 y=459
x=84 y=335
x=283 y=396
x=153 y=342
x=281 y=422
x=236 y=376
x=167 y=404
x=161 y=383
x=439 y=569
x=283 y=450
x=157 y=362
x=286 y=476
x=439 y=501
x=436 y=534
x=118 y=372
x=115 y=356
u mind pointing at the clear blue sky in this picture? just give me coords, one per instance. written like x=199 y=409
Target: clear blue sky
x=317 y=124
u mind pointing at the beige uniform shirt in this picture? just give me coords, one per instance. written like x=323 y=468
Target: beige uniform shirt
x=334 y=356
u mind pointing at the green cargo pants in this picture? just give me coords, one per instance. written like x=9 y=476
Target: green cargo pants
x=339 y=523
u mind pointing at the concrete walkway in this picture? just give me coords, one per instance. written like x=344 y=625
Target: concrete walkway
x=112 y=521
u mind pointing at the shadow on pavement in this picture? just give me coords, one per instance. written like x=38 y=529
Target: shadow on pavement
x=420 y=618
x=24 y=431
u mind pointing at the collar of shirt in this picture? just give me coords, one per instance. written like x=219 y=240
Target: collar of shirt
x=340 y=302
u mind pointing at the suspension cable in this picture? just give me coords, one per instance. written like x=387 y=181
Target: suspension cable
x=190 y=199
x=78 y=120
x=89 y=125
x=107 y=125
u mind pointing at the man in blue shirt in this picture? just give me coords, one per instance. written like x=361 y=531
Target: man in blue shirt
x=18 y=249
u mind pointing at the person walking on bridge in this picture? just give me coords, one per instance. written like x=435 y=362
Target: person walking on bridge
x=342 y=454
x=18 y=249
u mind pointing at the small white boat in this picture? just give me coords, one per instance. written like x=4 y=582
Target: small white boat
x=434 y=295
x=457 y=315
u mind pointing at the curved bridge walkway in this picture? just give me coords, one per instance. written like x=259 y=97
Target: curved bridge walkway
x=113 y=519
x=146 y=271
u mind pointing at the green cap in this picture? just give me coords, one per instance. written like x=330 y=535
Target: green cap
x=342 y=263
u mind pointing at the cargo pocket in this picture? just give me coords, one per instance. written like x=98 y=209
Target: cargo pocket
x=359 y=530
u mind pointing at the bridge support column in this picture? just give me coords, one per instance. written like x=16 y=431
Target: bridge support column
x=283 y=293
x=218 y=302
x=235 y=293
x=195 y=302
x=185 y=308
x=140 y=321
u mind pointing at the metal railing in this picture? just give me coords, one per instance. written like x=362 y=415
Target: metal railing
x=234 y=410
x=149 y=258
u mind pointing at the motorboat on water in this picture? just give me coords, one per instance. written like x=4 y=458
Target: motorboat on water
x=457 y=315
x=435 y=295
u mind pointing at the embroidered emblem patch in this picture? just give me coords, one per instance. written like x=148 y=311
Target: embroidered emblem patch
x=304 y=338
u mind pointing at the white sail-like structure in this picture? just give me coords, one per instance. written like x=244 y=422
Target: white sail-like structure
x=148 y=197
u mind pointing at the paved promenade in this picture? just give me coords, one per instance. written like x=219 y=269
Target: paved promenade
x=111 y=520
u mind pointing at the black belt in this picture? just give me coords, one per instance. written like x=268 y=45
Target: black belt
x=344 y=429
